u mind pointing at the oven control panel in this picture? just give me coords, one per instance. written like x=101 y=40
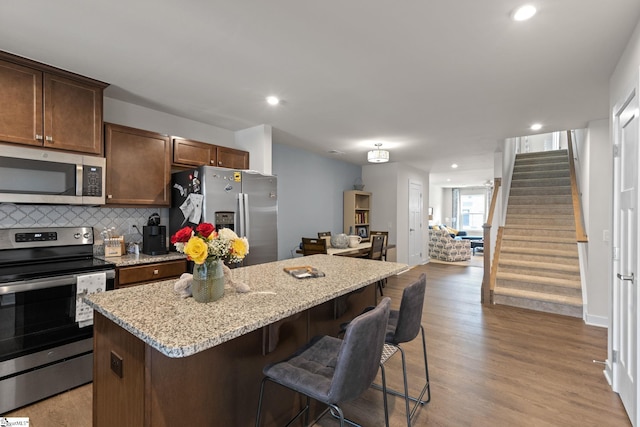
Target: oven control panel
x=26 y=238
x=50 y=236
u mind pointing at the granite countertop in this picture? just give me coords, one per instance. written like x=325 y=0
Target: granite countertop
x=180 y=327
x=131 y=259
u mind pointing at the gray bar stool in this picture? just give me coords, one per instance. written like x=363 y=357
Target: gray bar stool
x=332 y=370
x=404 y=325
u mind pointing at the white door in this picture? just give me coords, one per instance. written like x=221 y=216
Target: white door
x=415 y=223
x=625 y=281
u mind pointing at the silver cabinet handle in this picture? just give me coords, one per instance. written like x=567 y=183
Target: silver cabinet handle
x=49 y=139
x=38 y=137
x=623 y=277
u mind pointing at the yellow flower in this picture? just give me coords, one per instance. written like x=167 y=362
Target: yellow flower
x=196 y=249
x=239 y=248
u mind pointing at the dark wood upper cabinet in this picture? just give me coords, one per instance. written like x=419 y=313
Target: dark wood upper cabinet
x=231 y=158
x=187 y=152
x=46 y=107
x=138 y=166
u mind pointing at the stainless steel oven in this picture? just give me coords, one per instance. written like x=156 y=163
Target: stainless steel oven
x=46 y=332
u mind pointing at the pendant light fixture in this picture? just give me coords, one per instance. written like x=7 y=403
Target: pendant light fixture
x=378 y=155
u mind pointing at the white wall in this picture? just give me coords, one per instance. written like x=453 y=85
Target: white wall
x=123 y=113
x=389 y=184
x=381 y=181
x=435 y=202
x=257 y=141
x=596 y=171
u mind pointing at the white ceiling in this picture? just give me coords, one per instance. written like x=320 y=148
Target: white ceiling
x=434 y=81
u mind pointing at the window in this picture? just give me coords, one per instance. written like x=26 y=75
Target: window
x=472 y=211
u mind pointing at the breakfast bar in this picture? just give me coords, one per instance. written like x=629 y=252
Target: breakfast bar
x=162 y=360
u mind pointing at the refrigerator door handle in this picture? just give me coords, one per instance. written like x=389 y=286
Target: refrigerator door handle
x=243 y=212
x=245 y=233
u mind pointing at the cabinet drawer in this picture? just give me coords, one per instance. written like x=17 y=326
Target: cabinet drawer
x=138 y=274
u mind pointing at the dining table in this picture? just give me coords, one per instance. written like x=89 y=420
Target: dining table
x=360 y=251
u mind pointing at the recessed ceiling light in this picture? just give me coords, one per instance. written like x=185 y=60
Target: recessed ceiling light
x=536 y=126
x=273 y=100
x=454 y=166
x=524 y=12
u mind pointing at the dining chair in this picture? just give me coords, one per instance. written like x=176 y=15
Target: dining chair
x=386 y=241
x=312 y=246
x=333 y=370
x=375 y=253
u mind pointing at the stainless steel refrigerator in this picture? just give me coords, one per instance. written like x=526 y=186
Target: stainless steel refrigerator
x=245 y=201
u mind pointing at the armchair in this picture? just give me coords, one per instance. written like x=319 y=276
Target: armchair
x=445 y=248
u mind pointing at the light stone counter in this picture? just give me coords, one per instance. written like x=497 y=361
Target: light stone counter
x=130 y=259
x=180 y=327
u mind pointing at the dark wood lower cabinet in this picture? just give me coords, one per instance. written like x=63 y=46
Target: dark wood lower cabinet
x=216 y=387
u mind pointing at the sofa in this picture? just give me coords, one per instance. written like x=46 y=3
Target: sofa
x=445 y=248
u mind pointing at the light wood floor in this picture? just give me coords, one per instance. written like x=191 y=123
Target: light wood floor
x=498 y=366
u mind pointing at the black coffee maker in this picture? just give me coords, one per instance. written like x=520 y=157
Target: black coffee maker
x=154 y=237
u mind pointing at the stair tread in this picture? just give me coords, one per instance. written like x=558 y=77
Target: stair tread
x=539 y=227
x=567 y=283
x=564 y=259
x=541 y=216
x=546 y=239
x=539 y=296
x=573 y=253
x=573 y=268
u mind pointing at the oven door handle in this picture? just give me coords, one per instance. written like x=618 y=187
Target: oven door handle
x=53 y=282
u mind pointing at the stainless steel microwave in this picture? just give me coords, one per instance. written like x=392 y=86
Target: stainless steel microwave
x=31 y=175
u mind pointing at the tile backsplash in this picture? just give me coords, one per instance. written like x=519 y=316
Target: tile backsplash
x=27 y=216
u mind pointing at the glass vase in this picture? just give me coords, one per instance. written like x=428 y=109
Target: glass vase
x=208 y=281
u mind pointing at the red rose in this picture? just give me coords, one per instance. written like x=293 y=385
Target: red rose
x=205 y=229
x=182 y=236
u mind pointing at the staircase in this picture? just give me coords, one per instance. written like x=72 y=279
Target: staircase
x=538 y=265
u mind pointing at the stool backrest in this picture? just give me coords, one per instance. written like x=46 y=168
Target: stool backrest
x=359 y=356
x=410 y=311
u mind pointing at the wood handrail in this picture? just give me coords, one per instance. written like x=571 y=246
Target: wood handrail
x=486 y=296
x=497 y=182
x=581 y=235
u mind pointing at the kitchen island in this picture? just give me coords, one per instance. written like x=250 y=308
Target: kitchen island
x=162 y=360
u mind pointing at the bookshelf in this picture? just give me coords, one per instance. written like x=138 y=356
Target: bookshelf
x=357 y=213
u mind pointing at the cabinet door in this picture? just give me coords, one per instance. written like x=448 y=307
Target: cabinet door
x=72 y=115
x=138 y=166
x=233 y=159
x=193 y=153
x=21 y=104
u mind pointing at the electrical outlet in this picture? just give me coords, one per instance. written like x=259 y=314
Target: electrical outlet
x=130 y=226
x=116 y=364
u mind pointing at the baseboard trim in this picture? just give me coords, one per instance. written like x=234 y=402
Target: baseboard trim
x=600 y=321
